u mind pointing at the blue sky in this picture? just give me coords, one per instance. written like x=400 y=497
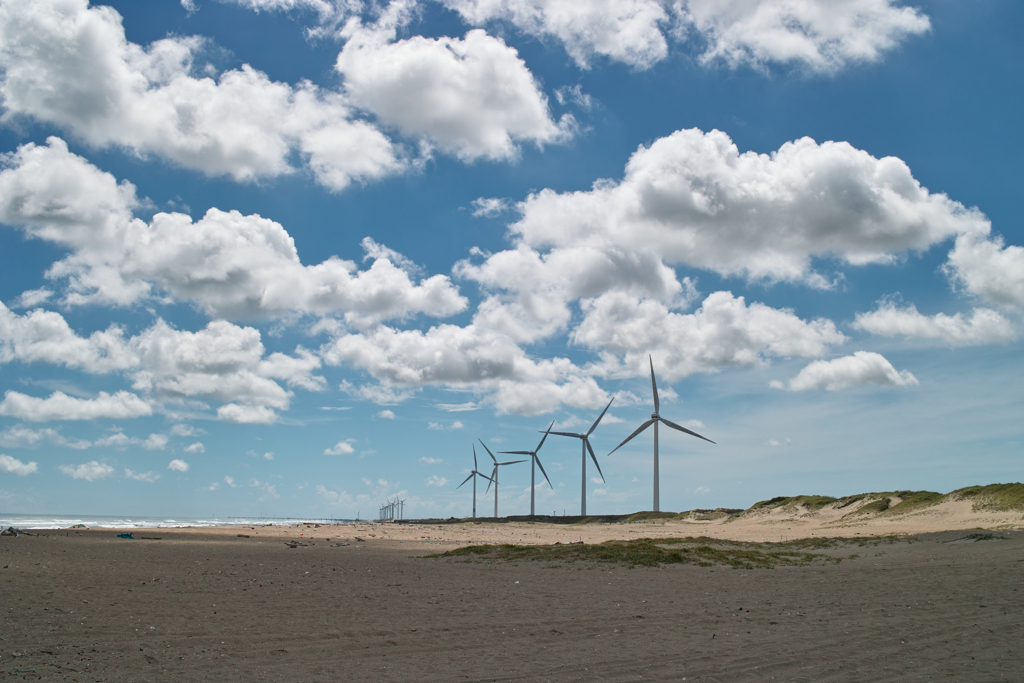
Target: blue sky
x=293 y=257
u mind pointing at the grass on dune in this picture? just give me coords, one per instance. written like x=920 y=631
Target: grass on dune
x=994 y=497
x=702 y=551
x=808 y=502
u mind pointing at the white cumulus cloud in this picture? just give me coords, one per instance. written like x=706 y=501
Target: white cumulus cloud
x=65 y=63
x=820 y=35
x=983 y=326
x=627 y=31
x=89 y=471
x=724 y=332
x=60 y=406
x=340 y=448
x=148 y=477
x=177 y=465
x=195 y=448
x=988 y=269
x=817 y=35
x=232 y=412
x=437 y=481
x=473 y=97
x=12 y=465
x=229 y=264
x=694 y=199
x=862 y=368
x=45 y=337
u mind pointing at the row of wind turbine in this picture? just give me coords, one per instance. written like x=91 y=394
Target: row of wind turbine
x=584 y=438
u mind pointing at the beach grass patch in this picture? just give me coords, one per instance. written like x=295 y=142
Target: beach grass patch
x=647 y=552
x=994 y=497
x=649 y=516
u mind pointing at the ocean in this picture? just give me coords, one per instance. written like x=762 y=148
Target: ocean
x=137 y=522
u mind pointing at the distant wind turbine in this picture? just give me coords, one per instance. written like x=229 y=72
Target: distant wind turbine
x=534 y=461
x=473 y=475
x=494 y=474
x=585 y=438
x=655 y=419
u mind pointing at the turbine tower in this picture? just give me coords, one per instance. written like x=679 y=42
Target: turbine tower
x=473 y=475
x=494 y=474
x=655 y=419
x=585 y=438
x=534 y=463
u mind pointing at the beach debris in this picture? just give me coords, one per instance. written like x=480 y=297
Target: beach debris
x=129 y=534
x=9 y=531
x=150 y=538
x=362 y=540
x=296 y=544
x=340 y=543
x=243 y=535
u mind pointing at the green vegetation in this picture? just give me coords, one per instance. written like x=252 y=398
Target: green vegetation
x=708 y=515
x=913 y=500
x=875 y=506
x=787 y=502
x=983 y=537
x=703 y=551
x=994 y=497
x=773 y=502
x=909 y=501
x=648 y=516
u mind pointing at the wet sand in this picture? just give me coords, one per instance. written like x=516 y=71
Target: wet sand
x=201 y=604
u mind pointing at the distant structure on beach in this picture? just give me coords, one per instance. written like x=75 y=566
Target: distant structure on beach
x=392 y=510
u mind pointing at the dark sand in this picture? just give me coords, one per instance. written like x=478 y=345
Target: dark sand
x=199 y=605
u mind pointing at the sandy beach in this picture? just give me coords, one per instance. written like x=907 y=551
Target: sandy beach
x=361 y=602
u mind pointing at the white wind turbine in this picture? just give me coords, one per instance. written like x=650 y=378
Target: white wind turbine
x=534 y=460
x=655 y=419
x=473 y=475
x=585 y=438
x=494 y=474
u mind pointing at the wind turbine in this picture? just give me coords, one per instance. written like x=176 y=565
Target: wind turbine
x=473 y=475
x=585 y=438
x=655 y=419
x=494 y=474
x=534 y=460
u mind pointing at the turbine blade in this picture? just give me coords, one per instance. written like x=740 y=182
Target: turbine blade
x=639 y=429
x=467 y=479
x=542 y=471
x=511 y=462
x=673 y=425
x=544 y=437
x=594 y=458
x=481 y=474
x=494 y=475
x=487 y=449
x=516 y=452
x=578 y=436
x=594 y=426
x=475 y=466
x=654 y=386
